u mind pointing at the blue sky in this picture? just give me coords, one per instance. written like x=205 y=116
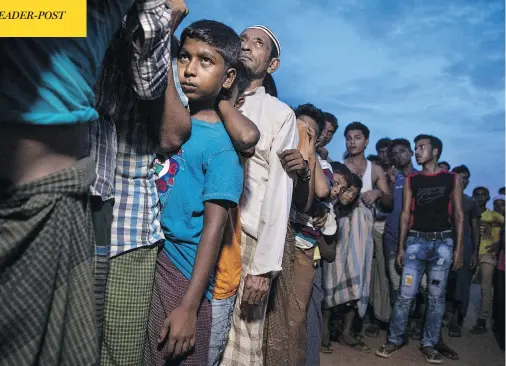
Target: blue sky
x=400 y=67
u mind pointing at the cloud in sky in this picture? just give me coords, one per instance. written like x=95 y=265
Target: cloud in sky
x=402 y=68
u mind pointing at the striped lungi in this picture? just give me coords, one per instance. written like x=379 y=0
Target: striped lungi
x=127 y=304
x=245 y=339
x=47 y=303
x=170 y=287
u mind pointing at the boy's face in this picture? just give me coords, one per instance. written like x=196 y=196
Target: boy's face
x=356 y=142
x=401 y=155
x=348 y=196
x=465 y=179
x=339 y=187
x=499 y=206
x=327 y=134
x=202 y=71
x=481 y=196
x=391 y=172
x=423 y=151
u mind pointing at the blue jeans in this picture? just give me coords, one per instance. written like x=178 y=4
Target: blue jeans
x=222 y=320
x=435 y=257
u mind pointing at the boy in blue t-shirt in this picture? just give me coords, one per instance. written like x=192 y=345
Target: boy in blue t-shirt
x=196 y=186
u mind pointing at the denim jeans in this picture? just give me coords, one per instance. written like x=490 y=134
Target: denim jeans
x=222 y=320
x=435 y=257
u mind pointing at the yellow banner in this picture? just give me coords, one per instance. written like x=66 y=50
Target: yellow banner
x=43 y=18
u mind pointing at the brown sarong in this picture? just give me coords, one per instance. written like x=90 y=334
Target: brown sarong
x=46 y=271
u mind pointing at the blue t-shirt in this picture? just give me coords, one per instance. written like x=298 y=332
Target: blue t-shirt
x=391 y=236
x=48 y=81
x=206 y=168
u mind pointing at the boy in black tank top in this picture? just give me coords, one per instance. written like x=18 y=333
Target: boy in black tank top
x=430 y=199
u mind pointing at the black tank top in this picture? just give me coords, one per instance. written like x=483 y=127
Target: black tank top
x=431 y=205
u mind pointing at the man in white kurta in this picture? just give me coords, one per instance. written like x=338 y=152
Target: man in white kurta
x=266 y=201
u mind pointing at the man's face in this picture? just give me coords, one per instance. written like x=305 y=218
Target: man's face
x=499 y=206
x=327 y=134
x=356 y=142
x=465 y=179
x=423 y=151
x=201 y=70
x=311 y=123
x=256 y=48
x=348 y=196
x=339 y=187
x=383 y=155
x=391 y=172
x=401 y=156
x=481 y=197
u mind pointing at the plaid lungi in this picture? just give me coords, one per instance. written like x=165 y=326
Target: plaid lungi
x=245 y=339
x=285 y=321
x=127 y=305
x=46 y=270
x=170 y=287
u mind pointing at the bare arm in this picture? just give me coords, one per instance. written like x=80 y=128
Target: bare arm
x=405 y=219
x=321 y=189
x=382 y=184
x=242 y=131
x=458 y=220
x=303 y=192
x=327 y=245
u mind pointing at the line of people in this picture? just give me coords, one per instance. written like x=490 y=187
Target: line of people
x=160 y=205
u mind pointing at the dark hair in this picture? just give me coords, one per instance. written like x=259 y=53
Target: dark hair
x=373 y=158
x=242 y=78
x=330 y=118
x=461 y=169
x=218 y=35
x=435 y=142
x=340 y=168
x=270 y=85
x=445 y=163
x=311 y=111
x=382 y=143
x=356 y=181
x=480 y=188
x=398 y=142
x=502 y=190
x=359 y=127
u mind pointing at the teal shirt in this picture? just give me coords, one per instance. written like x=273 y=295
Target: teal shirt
x=49 y=81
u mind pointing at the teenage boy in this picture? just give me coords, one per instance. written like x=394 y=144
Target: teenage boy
x=430 y=199
x=486 y=255
x=464 y=275
x=331 y=126
x=197 y=186
x=266 y=200
x=47 y=246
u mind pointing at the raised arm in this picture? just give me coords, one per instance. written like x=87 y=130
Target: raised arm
x=242 y=131
x=321 y=189
x=459 y=222
x=405 y=219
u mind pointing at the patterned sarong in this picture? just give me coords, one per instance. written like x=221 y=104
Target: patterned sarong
x=245 y=339
x=348 y=277
x=46 y=271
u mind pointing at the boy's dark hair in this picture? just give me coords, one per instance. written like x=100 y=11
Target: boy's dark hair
x=340 y=168
x=444 y=163
x=356 y=181
x=399 y=142
x=502 y=190
x=461 y=169
x=242 y=78
x=373 y=158
x=310 y=110
x=475 y=191
x=435 y=142
x=357 y=126
x=270 y=85
x=218 y=35
x=330 y=118
x=382 y=143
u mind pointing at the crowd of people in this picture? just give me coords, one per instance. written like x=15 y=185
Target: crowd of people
x=159 y=205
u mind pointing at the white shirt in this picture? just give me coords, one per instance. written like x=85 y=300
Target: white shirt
x=268 y=189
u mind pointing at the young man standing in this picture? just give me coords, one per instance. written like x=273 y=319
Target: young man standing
x=430 y=198
x=464 y=275
x=331 y=126
x=266 y=201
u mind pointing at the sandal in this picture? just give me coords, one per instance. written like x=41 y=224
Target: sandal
x=387 y=350
x=454 y=331
x=373 y=331
x=358 y=345
x=326 y=348
x=432 y=356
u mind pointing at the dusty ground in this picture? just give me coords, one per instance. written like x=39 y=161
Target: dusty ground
x=473 y=349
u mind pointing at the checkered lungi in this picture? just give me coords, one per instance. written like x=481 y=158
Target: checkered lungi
x=245 y=339
x=127 y=304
